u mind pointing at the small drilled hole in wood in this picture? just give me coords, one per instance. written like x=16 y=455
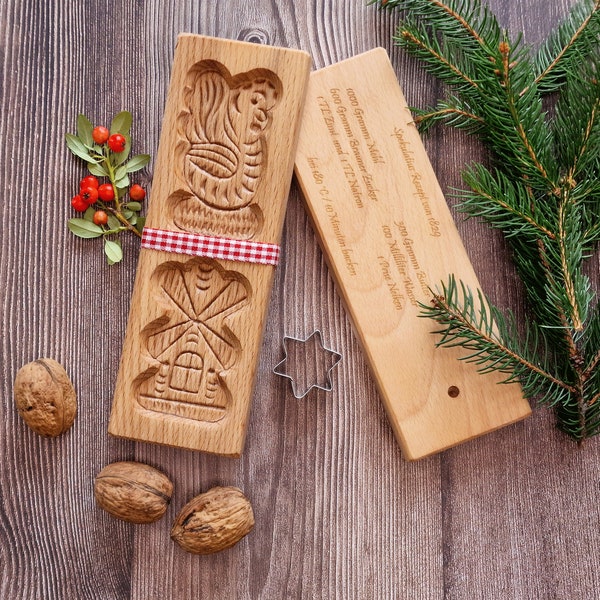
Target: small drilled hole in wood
x=453 y=391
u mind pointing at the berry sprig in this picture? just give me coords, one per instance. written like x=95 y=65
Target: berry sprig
x=111 y=204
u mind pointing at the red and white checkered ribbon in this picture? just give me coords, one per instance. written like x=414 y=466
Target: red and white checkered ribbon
x=196 y=244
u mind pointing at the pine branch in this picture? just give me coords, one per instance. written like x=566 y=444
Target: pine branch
x=477 y=326
x=592 y=345
x=452 y=112
x=505 y=204
x=542 y=192
x=493 y=344
x=436 y=57
x=483 y=69
x=577 y=124
x=526 y=146
x=471 y=23
x=572 y=39
x=574 y=288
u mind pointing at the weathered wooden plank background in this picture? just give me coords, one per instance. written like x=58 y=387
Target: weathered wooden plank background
x=339 y=513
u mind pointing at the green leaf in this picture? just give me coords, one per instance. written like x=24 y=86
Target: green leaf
x=140 y=223
x=84 y=130
x=128 y=214
x=137 y=162
x=84 y=229
x=88 y=215
x=113 y=251
x=134 y=206
x=113 y=222
x=121 y=123
x=123 y=183
x=120 y=172
x=78 y=148
x=99 y=170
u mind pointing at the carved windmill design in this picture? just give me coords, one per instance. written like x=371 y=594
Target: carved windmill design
x=190 y=343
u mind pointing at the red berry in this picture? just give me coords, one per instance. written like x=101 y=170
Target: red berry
x=100 y=134
x=100 y=217
x=89 y=194
x=106 y=192
x=89 y=181
x=78 y=203
x=137 y=192
x=117 y=142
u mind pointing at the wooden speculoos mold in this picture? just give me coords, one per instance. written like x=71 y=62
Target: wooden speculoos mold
x=222 y=172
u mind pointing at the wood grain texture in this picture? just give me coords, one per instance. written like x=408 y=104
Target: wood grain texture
x=223 y=170
x=389 y=239
x=339 y=513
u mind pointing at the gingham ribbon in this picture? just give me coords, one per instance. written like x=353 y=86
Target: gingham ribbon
x=196 y=244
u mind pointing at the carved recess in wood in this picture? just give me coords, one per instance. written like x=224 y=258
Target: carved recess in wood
x=222 y=150
x=220 y=157
x=190 y=347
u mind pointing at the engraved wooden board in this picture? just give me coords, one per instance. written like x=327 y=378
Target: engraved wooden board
x=388 y=236
x=223 y=169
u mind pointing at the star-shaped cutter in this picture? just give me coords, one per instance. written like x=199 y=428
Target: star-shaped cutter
x=307 y=364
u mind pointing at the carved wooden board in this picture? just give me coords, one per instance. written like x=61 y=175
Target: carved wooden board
x=388 y=236
x=223 y=169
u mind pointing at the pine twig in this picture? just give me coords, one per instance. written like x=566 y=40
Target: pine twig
x=542 y=192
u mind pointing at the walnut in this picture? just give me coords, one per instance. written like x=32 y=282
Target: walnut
x=45 y=397
x=133 y=491
x=213 y=521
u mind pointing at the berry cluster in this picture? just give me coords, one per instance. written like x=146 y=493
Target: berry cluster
x=107 y=211
x=93 y=193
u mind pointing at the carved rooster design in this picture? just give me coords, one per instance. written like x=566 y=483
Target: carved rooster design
x=223 y=149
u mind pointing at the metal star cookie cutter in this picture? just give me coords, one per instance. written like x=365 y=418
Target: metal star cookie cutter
x=307 y=364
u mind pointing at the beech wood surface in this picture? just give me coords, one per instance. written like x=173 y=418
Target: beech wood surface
x=339 y=512
x=389 y=238
x=223 y=169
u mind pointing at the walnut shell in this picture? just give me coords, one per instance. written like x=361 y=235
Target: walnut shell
x=133 y=491
x=213 y=521
x=45 y=397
